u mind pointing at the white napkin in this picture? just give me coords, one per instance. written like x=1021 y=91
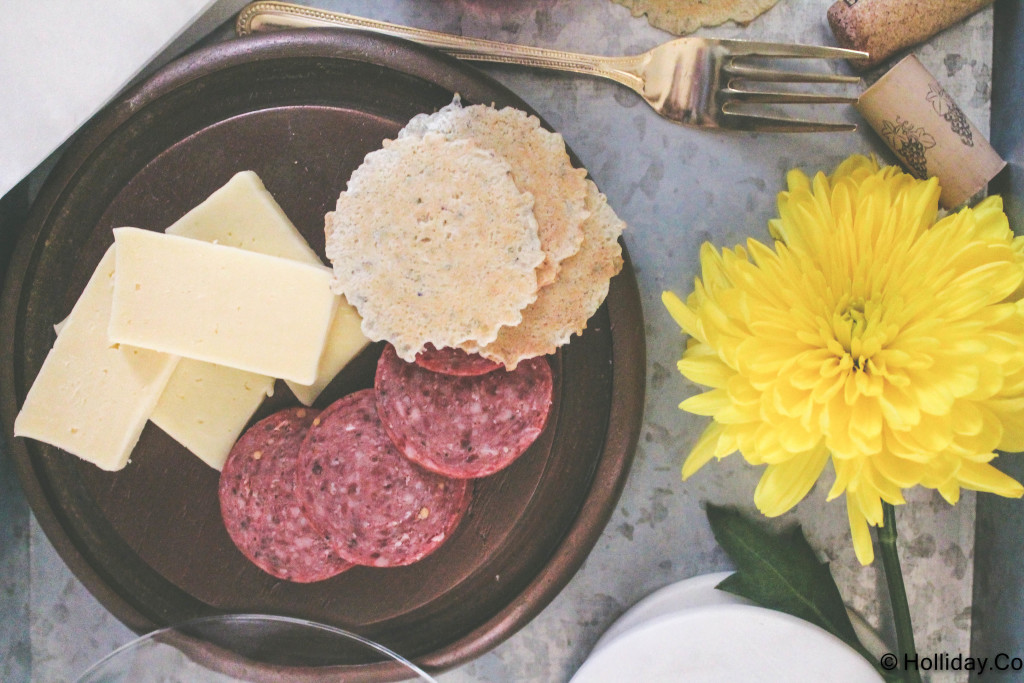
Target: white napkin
x=61 y=61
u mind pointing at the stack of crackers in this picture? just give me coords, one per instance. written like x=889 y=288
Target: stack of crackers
x=472 y=230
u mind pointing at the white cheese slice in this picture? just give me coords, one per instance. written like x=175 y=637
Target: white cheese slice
x=205 y=407
x=344 y=342
x=223 y=305
x=92 y=397
x=244 y=214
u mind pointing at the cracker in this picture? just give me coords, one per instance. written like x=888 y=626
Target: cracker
x=540 y=166
x=432 y=242
x=563 y=307
x=686 y=16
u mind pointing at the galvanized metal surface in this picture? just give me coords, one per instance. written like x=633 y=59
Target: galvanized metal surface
x=676 y=187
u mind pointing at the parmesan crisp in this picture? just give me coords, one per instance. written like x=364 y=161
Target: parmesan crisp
x=433 y=242
x=563 y=307
x=540 y=166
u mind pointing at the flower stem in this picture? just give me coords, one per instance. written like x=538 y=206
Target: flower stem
x=897 y=591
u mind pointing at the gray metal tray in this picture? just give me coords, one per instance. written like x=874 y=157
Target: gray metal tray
x=998 y=602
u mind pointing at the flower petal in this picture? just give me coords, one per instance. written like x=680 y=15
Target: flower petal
x=1010 y=413
x=904 y=473
x=860 y=533
x=985 y=477
x=707 y=404
x=703 y=450
x=679 y=311
x=784 y=485
x=705 y=368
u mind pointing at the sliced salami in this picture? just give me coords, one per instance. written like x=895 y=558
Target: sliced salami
x=379 y=508
x=462 y=427
x=260 y=505
x=451 y=361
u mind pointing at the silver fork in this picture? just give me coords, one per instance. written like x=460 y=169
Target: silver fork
x=694 y=81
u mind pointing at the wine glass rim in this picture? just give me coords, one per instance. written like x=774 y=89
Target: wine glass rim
x=244 y=617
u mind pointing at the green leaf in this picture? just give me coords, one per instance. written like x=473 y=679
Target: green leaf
x=780 y=571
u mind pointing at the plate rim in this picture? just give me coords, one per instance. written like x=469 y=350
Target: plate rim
x=627 y=339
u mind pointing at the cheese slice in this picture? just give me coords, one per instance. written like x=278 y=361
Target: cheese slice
x=215 y=303
x=92 y=397
x=244 y=214
x=205 y=407
x=344 y=342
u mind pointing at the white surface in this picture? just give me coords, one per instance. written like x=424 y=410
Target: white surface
x=61 y=61
x=698 y=591
x=701 y=591
x=717 y=643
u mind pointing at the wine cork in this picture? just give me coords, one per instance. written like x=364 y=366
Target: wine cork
x=929 y=132
x=883 y=27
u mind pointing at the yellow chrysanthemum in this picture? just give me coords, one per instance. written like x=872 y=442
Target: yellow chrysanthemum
x=871 y=335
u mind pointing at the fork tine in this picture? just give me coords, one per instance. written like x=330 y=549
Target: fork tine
x=773 y=124
x=754 y=73
x=752 y=48
x=730 y=94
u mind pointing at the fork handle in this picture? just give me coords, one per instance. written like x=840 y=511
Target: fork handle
x=273 y=16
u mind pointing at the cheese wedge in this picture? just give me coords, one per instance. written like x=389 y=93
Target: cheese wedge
x=92 y=397
x=205 y=407
x=219 y=304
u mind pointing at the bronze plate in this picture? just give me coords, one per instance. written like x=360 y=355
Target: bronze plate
x=301 y=109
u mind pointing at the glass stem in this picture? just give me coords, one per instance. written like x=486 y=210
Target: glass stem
x=897 y=592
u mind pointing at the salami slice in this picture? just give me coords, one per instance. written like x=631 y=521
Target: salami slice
x=451 y=361
x=379 y=508
x=462 y=427
x=260 y=506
